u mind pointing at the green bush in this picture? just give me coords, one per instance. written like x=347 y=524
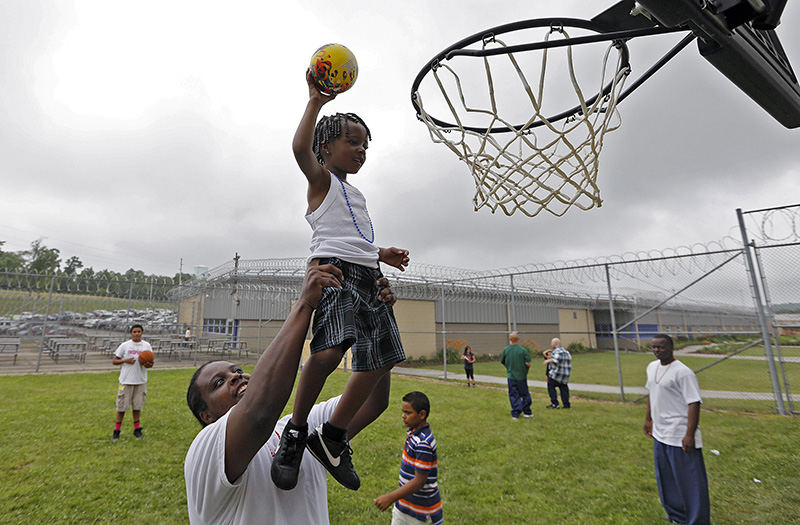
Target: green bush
x=453 y=355
x=580 y=348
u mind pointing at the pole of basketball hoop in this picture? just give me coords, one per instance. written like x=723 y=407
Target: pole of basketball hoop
x=614 y=333
x=762 y=321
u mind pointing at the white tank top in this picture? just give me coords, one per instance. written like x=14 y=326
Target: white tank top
x=342 y=228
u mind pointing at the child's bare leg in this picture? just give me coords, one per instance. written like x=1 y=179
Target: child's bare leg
x=328 y=442
x=374 y=406
x=286 y=462
x=315 y=372
x=358 y=389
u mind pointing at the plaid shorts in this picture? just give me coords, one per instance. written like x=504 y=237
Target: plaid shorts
x=354 y=316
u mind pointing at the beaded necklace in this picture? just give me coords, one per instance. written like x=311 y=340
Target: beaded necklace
x=355 y=223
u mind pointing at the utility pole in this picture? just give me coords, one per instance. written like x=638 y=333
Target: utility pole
x=234 y=299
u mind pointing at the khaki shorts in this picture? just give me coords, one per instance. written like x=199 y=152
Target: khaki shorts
x=401 y=518
x=131 y=395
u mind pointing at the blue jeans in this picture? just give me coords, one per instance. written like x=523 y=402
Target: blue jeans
x=519 y=396
x=682 y=484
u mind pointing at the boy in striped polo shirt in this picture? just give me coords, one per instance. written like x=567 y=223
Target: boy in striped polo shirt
x=417 y=500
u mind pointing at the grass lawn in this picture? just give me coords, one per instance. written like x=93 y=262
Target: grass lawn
x=600 y=368
x=16 y=302
x=590 y=465
x=787 y=350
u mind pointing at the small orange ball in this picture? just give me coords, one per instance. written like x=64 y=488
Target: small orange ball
x=146 y=357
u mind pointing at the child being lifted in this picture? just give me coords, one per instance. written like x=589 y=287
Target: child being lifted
x=352 y=316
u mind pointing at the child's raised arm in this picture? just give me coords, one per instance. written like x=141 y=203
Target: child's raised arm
x=302 y=144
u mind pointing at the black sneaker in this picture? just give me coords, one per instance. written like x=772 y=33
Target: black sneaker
x=138 y=432
x=552 y=406
x=286 y=462
x=335 y=457
x=115 y=435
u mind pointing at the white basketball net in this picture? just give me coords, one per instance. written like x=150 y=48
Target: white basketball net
x=551 y=167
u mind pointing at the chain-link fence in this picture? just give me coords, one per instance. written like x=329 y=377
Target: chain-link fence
x=733 y=307
x=60 y=322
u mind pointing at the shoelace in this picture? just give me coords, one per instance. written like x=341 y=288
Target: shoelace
x=347 y=452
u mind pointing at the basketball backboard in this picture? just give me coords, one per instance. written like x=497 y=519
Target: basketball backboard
x=735 y=36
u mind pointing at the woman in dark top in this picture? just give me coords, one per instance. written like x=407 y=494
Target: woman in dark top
x=469 y=360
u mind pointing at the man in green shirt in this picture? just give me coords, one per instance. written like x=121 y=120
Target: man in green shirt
x=517 y=361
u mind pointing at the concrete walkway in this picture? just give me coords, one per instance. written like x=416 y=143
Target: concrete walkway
x=95 y=362
x=579 y=387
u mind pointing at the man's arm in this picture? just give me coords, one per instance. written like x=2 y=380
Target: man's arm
x=648 y=421
x=694 y=419
x=253 y=419
x=387 y=500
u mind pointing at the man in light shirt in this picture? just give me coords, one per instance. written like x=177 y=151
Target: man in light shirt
x=227 y=467
x=673 y=414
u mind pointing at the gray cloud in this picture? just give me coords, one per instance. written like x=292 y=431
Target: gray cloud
x=206 y=170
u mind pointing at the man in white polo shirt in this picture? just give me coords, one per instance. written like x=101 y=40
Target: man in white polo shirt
x=673 y=414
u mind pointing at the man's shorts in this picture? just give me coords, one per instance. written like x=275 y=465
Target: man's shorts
x=354 y=316
x=131 y=395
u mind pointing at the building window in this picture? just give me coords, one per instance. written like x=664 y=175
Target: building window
x=215 y=326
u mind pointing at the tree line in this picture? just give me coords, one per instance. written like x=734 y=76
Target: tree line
x=41 y=260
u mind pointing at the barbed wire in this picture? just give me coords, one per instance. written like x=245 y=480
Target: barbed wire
x=562 y=278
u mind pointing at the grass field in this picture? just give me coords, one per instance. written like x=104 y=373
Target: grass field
x=588 y=465
x=786 y=350
x=601 y=368
x=15 y=302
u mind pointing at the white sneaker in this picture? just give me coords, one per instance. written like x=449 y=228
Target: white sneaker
x=527 y=416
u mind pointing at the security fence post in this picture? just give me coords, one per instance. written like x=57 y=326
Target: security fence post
x=44 y=326
x=773 y=328
x=773 y=373
x=444 y=334
x=614 y=332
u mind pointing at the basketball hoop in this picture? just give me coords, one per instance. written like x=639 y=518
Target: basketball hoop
x=548 y=160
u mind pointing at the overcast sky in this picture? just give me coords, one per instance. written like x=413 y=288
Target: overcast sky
x=137 y=134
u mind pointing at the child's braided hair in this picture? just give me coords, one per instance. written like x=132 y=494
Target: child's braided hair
x=330 y=127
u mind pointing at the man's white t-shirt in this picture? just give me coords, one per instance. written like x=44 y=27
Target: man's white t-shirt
x=254 y=498
x=676 y=388
x=132 y=374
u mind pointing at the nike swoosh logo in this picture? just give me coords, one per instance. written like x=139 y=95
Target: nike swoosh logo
x=334 y=461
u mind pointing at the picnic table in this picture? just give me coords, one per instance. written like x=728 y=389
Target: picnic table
x=180 y=346
x=241 y=346
x=9 y=346
x=216 y=347
x=109 y=344
x=67 y=347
